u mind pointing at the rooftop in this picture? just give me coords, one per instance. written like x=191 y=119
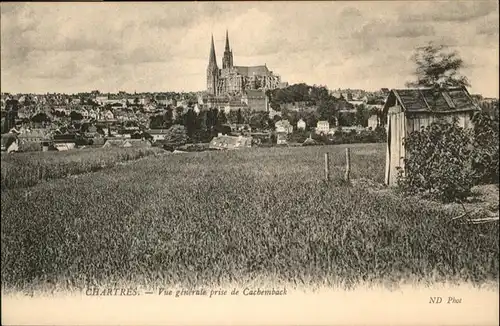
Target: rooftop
x=431 y=99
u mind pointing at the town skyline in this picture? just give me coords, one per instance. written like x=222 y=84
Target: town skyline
x=356 y=45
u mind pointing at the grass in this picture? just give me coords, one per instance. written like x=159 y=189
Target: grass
x=22 y=170
x=222 y=217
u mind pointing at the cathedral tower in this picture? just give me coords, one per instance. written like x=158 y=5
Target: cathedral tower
x=227 y=60
x=212 y=71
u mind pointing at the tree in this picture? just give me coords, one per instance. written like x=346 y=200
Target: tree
x=40 y=118
x=75 y=116
x=156 y=122
x=221 y=118
x=178 y=115
x=190 y=122
x=168 y=117
x=327 y=109
x=362 y=115
x=437 y=67
x=258 y=120
x=239 y=117
x=176 y=136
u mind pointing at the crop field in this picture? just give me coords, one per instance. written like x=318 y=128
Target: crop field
x=27 y=169
x=212 y=218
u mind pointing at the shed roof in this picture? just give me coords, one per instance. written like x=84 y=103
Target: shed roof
x=431 y=100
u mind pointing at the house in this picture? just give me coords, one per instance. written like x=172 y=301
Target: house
x=108 y=115
x=256 y=100
x=222 y=142
x=323 y=127
x=239 y=127
x=373 y=122
x=34 y=136
x=301 y=124
x=157 y=134
x=349 y=129
x=410 y=110
x=283 y=126
x=64 y=146
x=281 y=138
x=125 y=143
x=233 y=105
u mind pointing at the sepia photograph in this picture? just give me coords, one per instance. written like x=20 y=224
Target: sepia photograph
x=250 y=162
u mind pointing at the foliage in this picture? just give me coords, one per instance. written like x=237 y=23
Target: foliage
x=40 y=117
x=75 y=115
x=485 y=139
x=437 y=162
x=362 y=115
x=436 y=66
x=341 y=137
x=183 y=220
x=445 y=161
x=327 y=109
x=176 y=136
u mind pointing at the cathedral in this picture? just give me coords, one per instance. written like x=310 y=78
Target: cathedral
x=236 y=80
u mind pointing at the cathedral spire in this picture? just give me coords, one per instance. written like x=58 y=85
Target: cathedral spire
x=227 y=59
x=227 y=42
x=212 y=61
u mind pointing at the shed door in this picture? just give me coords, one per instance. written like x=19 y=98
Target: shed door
x=396 y=131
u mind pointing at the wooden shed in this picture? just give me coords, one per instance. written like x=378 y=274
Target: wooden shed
x=410 y=110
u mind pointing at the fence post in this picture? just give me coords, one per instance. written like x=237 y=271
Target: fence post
x=347 y=164
x=327 y=168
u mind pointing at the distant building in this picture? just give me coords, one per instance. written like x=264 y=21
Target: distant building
x=255 y=99
x=157 y=134
x=281 y=138
x=283 y=126
x=125 y=143
x=233 y=79
x=323 y=127
x=301 y=124
x=373 y=122
x=222 y=142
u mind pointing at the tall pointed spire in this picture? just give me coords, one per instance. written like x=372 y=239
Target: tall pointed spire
x=227 y=59
x=212 y=60
x=227 y=42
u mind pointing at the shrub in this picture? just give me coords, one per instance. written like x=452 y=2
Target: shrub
x=438 y=162
x=175 y=137
x=486 y=143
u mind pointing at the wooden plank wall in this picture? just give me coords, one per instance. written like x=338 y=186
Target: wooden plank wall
x=417 y=121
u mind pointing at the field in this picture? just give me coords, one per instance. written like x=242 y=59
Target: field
x=27 y=169
x=218 y=217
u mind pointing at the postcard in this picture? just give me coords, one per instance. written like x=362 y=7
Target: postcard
x=250 y=163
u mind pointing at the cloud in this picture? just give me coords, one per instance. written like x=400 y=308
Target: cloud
x=165 y=46
x=448 y=11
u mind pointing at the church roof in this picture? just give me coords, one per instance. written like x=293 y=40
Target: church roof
x=255 y=93
x=253 y=70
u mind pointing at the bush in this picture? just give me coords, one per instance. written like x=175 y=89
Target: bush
x=438 y=162
x=175 y=137
x=485 y=155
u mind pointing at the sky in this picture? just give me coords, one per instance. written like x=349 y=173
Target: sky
x=149 y=47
